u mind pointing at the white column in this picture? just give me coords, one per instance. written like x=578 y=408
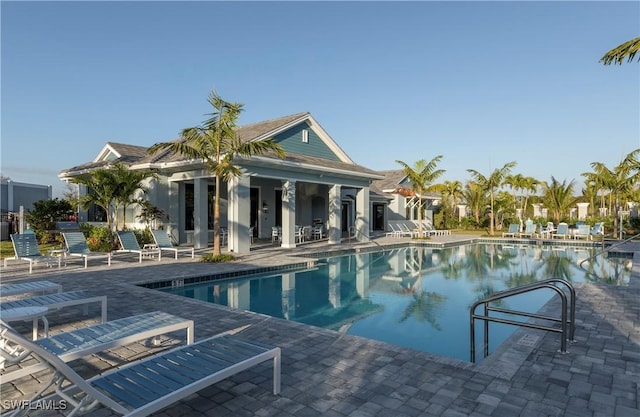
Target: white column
x=462 y=211
x=175 y=222
x=335 y=215
x=582 y=210
x=288 y=214
x=239 y=214
x=363 y=220
x=200 y=213
x=537 y=210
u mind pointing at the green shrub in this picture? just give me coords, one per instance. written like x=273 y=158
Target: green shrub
x=44 y=216
x=224 y=257
x=98 y=238
x=143 y=236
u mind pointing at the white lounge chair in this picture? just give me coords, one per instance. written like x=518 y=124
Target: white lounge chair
x=529 y=229
x=149 y=385
x=130 y=244
x=597 y=230
x=163 y=243
x=562 y=231
x=85 y=341
x=513 y=229
x=59 y=300
x=33 y=287
x=584 y=231
x=77 y=246
x=26 y=249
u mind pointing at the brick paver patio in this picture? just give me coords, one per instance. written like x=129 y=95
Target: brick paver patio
x=330 y=374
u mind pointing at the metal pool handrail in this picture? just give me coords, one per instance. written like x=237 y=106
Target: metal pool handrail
x=608 y=248
x=548 y=283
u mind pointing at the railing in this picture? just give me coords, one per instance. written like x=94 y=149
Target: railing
x=608 y=248
x=563 y=320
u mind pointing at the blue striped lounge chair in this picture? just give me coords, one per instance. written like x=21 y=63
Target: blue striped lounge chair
x=163 y=243
x=26 y=249
x=129 y=244
x=146 y=386
x=77 y=246
x=82 y=342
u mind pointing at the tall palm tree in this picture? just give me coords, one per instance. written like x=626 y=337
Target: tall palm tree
x=558 y=197
x=421 y=177
x=474 y=196
x=217 y=144
x=529 y=186
x=491 y=183
x=618 y=54
x=515 y=182
x=451 y=193
x=621 y=180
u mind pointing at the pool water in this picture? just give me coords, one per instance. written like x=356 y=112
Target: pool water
x=415 y=297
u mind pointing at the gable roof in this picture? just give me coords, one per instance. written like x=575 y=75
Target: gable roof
x=137 y=156
x=121 y=151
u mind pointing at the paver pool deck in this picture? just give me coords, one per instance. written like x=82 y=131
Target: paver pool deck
x=331 y=374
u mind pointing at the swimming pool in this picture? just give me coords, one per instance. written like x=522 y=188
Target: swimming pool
x=413 y=296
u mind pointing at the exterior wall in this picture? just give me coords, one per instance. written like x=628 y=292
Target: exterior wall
x=15 y=194
x=291 y=141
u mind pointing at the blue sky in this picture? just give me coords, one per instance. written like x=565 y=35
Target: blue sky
x=481 y=83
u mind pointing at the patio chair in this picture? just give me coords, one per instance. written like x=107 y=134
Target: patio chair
x=562 y=231
x=130 y=244
x=276 y=234
x=529 y=229
x=597 y=230
x=513 y=229
x=433 y=231
x=583 y=231
x=25 y=247
x=79 y=343
x=163 y=242
x=143 y=387
x=58 y=301
x=24 y=288
x=77 y=246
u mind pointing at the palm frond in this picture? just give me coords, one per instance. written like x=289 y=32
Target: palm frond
x=617 y=55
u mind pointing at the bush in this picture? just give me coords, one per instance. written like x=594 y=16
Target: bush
x=224 y=257
x=44 y=216
x=98 y=238
x=143 y=236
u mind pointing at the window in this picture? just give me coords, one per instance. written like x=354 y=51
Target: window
x=305 y=136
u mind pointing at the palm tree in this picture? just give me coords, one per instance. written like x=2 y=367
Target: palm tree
x=129 y=182
x=618 y=54
x=102 y=191
x=421 y=177
x=558 y=197
x=516 y=182
x=529 y=186
x=217 y=144
x=451 y=194
x=491 y=183
x=474 y=196
x=620 y=181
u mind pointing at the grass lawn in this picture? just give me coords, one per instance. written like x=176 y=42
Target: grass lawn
x=6 y=249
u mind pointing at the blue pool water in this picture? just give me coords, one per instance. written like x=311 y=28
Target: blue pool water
x=414 y=296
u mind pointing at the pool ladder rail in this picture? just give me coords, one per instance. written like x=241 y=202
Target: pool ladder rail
x=567 y=318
